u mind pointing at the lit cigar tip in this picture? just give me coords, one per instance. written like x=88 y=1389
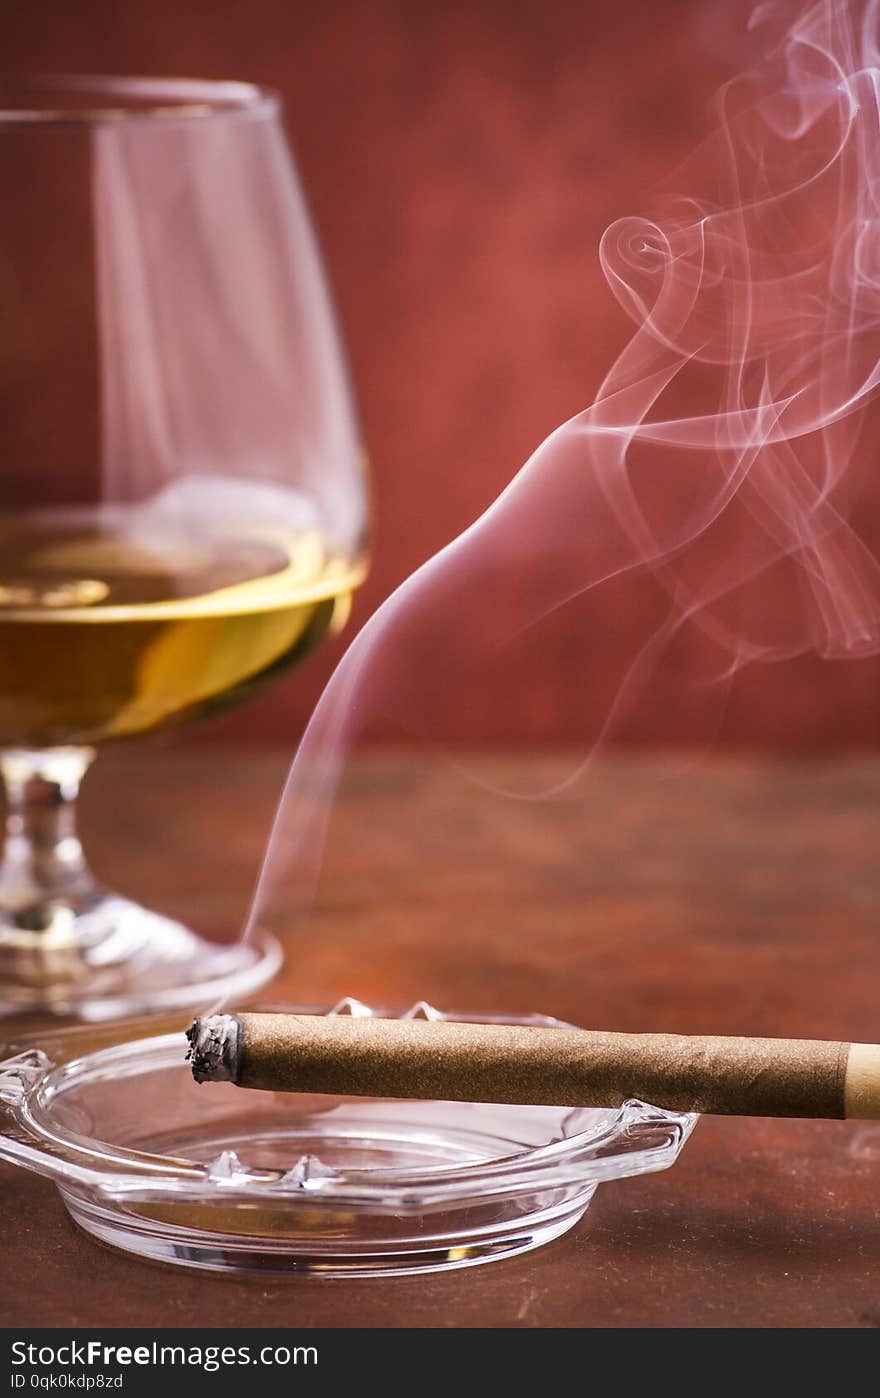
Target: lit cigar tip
x=213 y=1048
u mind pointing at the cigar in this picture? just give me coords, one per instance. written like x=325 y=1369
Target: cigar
x=444 y=1060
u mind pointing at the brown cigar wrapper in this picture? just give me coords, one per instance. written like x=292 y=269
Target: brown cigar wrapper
x=444 y=1060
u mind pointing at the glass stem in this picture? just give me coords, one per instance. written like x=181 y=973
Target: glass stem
x=43 y=867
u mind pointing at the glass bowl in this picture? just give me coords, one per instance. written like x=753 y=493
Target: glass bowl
x=276 y=1183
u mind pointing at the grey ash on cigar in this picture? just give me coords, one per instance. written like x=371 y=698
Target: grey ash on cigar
x=214 y=1048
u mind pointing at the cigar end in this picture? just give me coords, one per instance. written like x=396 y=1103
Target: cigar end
x=214 y=1048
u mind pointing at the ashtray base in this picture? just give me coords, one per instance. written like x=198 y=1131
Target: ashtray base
x=309 y=1237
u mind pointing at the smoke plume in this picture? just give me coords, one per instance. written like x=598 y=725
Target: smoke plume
x=721 y=454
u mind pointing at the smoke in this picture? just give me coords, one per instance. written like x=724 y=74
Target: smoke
x=721 y=455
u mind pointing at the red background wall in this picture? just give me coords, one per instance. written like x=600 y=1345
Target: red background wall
x=462 y=161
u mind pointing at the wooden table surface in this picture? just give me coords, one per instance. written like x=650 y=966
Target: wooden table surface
x=731 y=896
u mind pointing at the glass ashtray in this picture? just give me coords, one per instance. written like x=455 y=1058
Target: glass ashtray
x=229 y=1180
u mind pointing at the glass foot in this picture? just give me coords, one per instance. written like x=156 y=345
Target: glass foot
x=122 y=959
x=70 y=947
x=118 y=958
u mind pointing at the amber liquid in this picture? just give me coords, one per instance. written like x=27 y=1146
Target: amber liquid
x=106 y=632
